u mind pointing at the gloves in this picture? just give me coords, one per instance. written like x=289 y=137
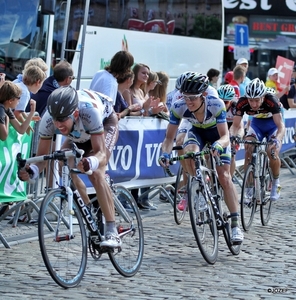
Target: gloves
x=275 y=142
x=164 y=158
x=217 y=147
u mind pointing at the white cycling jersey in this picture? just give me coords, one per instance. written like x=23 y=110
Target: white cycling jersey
x=93 y=108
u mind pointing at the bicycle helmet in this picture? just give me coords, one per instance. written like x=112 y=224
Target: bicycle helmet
x=195 y=83
x=181 y=78
x=62 y=102
x=226 y=92
x=270 y=90
x=255 y=89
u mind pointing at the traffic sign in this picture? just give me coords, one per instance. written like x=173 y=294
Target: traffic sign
x=240 y=52
x=241 y=35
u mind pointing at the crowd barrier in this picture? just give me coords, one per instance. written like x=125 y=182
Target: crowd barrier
x=133 y=162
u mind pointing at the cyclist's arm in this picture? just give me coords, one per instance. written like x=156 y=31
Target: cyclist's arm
x=277 y=118
x=236 y=125
x=99 y=148
x=43 y=149
x=224 y=134
x=168 y=143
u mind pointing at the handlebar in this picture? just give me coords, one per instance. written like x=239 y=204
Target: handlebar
x=56 y=155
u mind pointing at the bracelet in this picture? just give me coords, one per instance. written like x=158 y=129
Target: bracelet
x=150 y=111
x=93 y=162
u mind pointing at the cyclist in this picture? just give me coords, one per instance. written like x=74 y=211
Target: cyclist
x=207 y=115
x=87 y=118
x=266 y=122
x=227 y=93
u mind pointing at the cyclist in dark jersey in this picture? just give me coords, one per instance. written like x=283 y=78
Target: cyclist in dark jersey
x=266 y=122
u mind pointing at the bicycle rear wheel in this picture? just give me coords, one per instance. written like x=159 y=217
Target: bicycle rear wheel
x=65 y=257
x=248 y=200
x=266 y=182
x=128 y=258
x=180 y=192
x=203 y=221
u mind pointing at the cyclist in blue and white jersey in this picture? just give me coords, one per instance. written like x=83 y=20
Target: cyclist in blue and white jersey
x=87 y=118
x=266 y=122
x=207 y=115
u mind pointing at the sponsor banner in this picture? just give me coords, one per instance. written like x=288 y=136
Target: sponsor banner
x=135 y=156
x=11 y=188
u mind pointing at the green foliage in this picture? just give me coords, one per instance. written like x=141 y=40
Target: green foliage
x=206 y=27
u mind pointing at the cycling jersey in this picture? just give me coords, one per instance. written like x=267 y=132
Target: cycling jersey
x=94 y=108
x=268 y=108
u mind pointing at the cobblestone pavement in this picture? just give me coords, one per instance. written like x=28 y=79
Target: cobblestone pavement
x=173 y=267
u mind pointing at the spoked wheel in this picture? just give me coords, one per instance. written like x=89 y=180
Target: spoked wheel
x=203 y=221
x=266 y=182
x=248 y=200
x=128 y=258
x=65 y=256
x=180 y=193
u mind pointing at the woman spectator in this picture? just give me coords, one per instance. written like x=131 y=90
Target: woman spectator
x=213 y=75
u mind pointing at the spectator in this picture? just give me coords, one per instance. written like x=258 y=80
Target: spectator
x=239 y=73
x=10 y=95
x=272 y=82
x=228 y=77
x=62 y=76
x=121 y=107
x=242 y=87
x=289 y=101
x=213 y=76
x=32 y=81
x=105 y=81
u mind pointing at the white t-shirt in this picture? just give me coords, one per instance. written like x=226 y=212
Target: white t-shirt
x=105 y=83
x=25 y=97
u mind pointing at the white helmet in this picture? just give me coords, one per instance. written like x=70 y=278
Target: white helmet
x=255 y=89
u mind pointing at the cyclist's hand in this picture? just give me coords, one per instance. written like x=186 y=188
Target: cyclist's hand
x=84 y=165
x=164 y=160
x=234 y=141
x=275 y=144
x=217 y=149
x=27 y=173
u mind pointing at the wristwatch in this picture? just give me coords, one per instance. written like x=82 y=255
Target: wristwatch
x=142 y=111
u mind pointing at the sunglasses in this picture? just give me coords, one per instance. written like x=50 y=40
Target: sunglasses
x=191 y=97
x=61 y=119
x=72 y=77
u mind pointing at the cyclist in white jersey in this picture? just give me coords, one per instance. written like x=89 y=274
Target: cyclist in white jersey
x=207 y=115
x=87 y=118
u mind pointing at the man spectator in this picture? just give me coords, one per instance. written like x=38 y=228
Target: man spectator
x=289 y=101
x=272 y=82
x=242 y=87
x=239 y=73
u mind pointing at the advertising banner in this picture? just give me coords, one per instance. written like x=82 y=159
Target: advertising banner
x=11 y=188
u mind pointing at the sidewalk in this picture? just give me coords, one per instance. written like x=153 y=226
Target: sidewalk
x=25 y=232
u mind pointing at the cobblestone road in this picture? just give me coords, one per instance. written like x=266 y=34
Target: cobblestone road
x=173 y=267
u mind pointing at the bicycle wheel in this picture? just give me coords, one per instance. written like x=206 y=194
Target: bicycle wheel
x=128 y=258
x=266 y=182
x=65 y=257
x=180 y=192
x=203 y=221
x=248 y=201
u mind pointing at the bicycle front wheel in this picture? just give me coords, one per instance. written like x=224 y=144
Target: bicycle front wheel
x=266 y=182
x=128 y=258
x=180 y=193
x=248 y=200
x=64 y=255
x=203 y=221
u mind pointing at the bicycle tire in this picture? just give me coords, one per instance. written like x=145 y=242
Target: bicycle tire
x=179 y=214
x=234 y=248
x=203 y=222
x=65 y=259
x=128 y=258
x=248 y=206
x=265 y=182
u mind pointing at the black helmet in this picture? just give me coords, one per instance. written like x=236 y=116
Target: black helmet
x=195 y=83
x=62 y=102
x=181 y=78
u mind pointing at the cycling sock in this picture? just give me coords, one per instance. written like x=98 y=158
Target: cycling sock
x=276 y=181
x=234 y=220
x=110 y=227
